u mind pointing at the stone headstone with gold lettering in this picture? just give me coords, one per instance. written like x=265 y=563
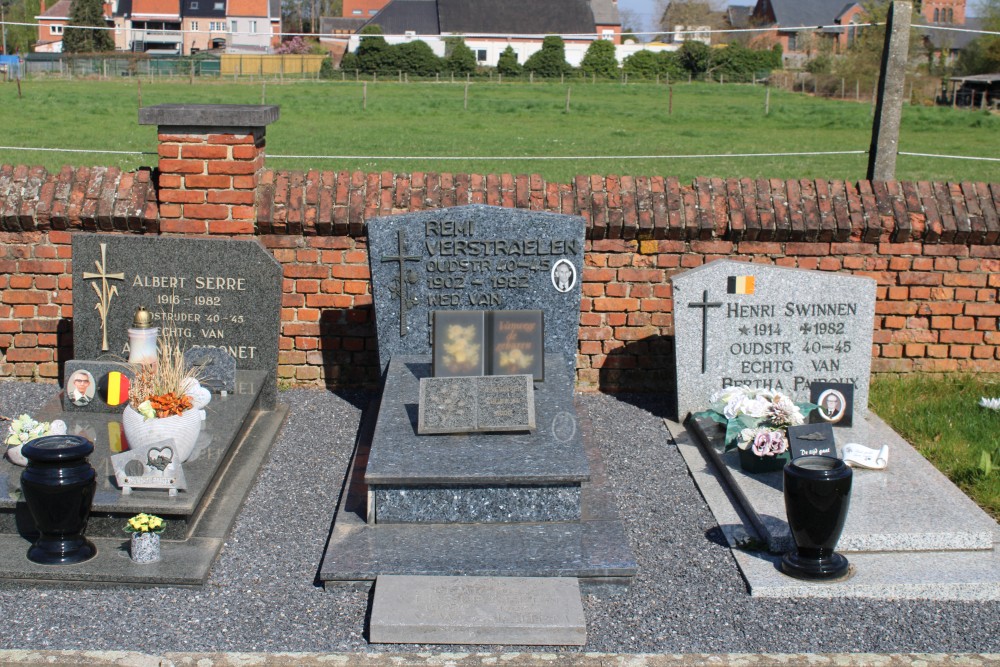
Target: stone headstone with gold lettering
x=760 y=326
x=474 y=258
x=223 y=293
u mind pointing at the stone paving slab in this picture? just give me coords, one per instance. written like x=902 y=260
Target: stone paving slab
x=520 y=611
x=933 y=575
x=909 y=506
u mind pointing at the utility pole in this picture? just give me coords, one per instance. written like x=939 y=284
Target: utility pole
x=889 y=101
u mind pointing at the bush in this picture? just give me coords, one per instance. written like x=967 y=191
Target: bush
x=349 y=62
x=296 y=45
x=550 y=61
x=695 y=57
x=417 y=58
x=821 y=64
x=375 y=55
x=507 y=64
x=600 y=59
x=326 y=69
x=649 y=64
x=460 y=58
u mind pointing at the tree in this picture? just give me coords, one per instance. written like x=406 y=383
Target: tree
x=982 y=55
x=695 y=57
x=507 y=64
x=21 y=38
x=80 y=35
x=550 y=61
x=600 y=59
x=459 y=58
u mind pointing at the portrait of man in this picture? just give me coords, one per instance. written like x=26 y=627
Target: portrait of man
x=831 y=405
x=81 y=387
x=563 y=275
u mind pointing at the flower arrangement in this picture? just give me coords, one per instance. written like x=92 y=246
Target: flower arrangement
x=164 y=387
x=990 y=403
x=24 y=429
x=145 y=523
x=756 y=419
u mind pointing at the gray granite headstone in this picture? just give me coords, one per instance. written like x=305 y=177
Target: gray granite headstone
x=476 y=404
x=223 y=293
x=760 y=326
x=540 y=611
x=474 y=258
x=216 y=368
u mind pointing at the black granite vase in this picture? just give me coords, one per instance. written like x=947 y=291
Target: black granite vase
x=59 y=486
x=817 y=496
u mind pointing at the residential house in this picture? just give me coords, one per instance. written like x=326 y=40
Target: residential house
x=805 y=28
x=204 y=24
x=362 y=9
x=254 y=25
x=489 y=26
x=52 y=22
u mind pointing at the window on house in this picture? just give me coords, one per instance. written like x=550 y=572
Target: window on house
x=56 y=29
x=372 y=12
x=357 y=12
x=253 y=27
x=793 y=41
x=232 y=26
x=219 y=6
x=607 y=34
x=194 y=25
x=481 y=55
x=951 y=16
x=194 y=5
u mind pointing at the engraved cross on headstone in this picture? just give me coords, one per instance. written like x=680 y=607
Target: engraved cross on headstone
x=104 y=292
x=401 y=284
x=705 y=304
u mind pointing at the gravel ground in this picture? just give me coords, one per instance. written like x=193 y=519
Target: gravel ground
x=262 y=595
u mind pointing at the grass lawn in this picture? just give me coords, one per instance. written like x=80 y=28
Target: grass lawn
x=941 y=417
x=510 y=120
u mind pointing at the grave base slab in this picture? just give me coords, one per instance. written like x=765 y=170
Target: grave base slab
x=972 y=574
x=523 y=611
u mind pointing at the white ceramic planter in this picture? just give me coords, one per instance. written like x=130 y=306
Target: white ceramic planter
x=16 y=457
x=182 y=430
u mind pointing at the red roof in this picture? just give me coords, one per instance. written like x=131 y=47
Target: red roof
x=247 y=8
x=157 y=7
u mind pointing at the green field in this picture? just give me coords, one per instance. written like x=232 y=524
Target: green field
x=508 y=121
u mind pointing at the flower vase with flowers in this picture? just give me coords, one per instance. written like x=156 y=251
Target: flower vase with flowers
x=756 y=423
x=145 y=532
x=166 y=401
x=23 y=430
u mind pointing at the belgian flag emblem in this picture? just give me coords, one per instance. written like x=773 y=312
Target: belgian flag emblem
x=740 y=285
x=116 y=386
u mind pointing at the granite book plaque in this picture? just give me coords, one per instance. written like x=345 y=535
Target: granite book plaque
x=459 y=343
x=491 y=403
x=835 y=403
x=223 y=293
x=96 y=386
x=474 y=258
x=812 y=440
x=516 y=343
x=768 y=327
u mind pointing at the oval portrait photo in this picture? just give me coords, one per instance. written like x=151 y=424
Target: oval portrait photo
x=563 y=275
x=831 y=405
x=81 y=387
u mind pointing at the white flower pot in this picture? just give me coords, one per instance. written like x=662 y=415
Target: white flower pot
x=181 y=430
x=16 y=457
x=145 y=547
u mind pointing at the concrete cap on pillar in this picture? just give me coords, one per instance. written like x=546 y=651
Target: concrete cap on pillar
x=209 y=115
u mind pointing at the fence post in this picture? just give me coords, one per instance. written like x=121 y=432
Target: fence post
x=767 y=99
x=568 y=90
x=889 y=105
x=466 y=102
x=364 y=96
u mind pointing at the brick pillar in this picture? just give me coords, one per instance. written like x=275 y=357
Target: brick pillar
x=211 y=157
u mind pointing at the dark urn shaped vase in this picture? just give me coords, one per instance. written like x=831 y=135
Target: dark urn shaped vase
x=817 y=496
x=59 y=486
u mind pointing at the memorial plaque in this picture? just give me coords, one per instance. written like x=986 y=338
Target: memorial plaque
x=149 y=467
x=742 y=324
x=476 y=404
x=214 y=367
x=474 y=258
x=812 y=440
x=478 y=610
x=96 y=386
x=223 y=293
x=834 y=401
x=459 y=343
x=516 y=343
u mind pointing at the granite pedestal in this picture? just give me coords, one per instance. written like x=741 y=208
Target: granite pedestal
x=233 y=443
x=477 y=504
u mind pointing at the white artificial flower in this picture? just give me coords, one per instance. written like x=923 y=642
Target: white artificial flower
x=734 y=406
x=991 y=403
x=726 y=394
x=756 y=407
x=58 y=427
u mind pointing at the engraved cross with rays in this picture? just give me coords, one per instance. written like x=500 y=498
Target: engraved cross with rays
x=104 y=293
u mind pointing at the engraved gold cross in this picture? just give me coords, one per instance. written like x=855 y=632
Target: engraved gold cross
x=104 y=294
x=401 y=285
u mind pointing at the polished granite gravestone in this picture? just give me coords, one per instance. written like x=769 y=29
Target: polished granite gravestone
x=478 y=610
x=223 y=293
x=235 y=439
x=474 y=258
x=760 y=326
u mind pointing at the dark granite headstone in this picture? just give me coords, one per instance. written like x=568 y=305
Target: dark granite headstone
x=96 y=386
x=459 y=343
x=216 y=368
x=476 y=404
x=223 y=293
x=769 y=327
x=474 y=258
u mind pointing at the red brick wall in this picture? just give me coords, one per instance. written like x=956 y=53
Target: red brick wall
x=933 y=248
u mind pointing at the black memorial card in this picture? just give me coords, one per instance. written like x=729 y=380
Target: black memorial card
x=812 y=440
x=835 y=401
x=516 y=346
